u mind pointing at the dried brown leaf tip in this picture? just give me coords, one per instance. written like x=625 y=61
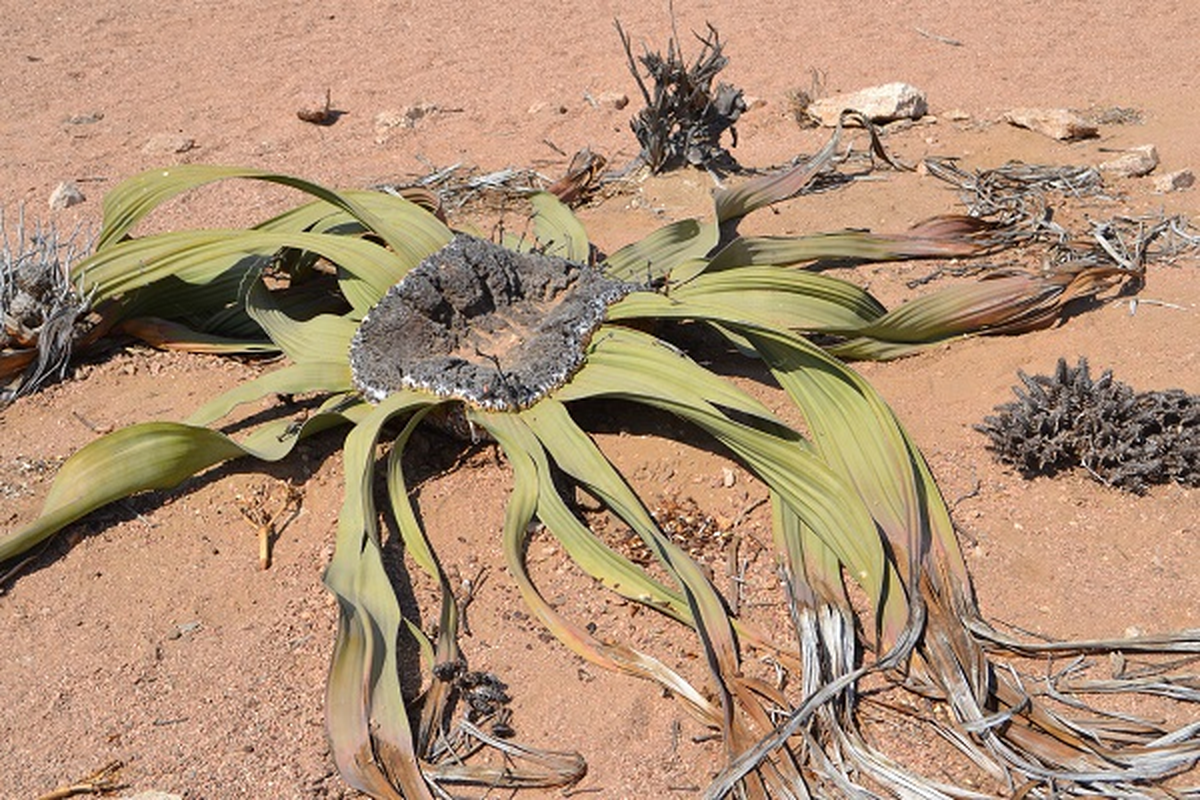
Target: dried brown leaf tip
x=582 y=178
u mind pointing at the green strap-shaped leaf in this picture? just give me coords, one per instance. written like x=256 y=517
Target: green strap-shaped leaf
x=763 y=191
x=848 y=245
x=368 y=723
x=426 y=234
x=638 y=356
x=592 y=555
x=324 y=338
x=628 y=368
x=857 y=435
x=153 y=455
x=534 y=490
x=577 y=455
x=766 y=190
x=136 y=197
x=150 y=455
x=416 y=543
x=312 y=376
x=656 y=255
x=198 y=257
x=558 y=230
x=791 y=299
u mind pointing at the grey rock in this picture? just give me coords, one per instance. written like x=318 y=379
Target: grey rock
x=404 y=119
x=1174 y=181
x=167 y=144
x=613 y=100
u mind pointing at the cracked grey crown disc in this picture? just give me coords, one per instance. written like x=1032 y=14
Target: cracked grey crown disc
x=476 y=321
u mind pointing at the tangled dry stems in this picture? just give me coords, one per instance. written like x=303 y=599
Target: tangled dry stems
x=39 y=306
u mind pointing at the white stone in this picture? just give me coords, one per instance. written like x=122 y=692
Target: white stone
x=1174 y=181
x=885 y=103
x=65 y=195
x=613 y=100
x=1057 y=123
x=1133 y=163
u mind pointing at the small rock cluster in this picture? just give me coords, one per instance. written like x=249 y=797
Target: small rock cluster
x=1121 y=437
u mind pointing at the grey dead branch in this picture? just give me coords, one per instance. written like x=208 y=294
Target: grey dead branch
x=1022 y=197
x=460 y=185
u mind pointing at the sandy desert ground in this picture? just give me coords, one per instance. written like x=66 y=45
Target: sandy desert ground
x=148 y=634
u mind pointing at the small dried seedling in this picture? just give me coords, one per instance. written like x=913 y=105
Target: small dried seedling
x=102 y=781
x=1121 y=437
x=269 y=525
x=39 y=307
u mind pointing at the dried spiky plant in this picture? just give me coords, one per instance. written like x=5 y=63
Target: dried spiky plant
x=853 y=500
x=685 y=116
x=1121 y=437
x=39 y=307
